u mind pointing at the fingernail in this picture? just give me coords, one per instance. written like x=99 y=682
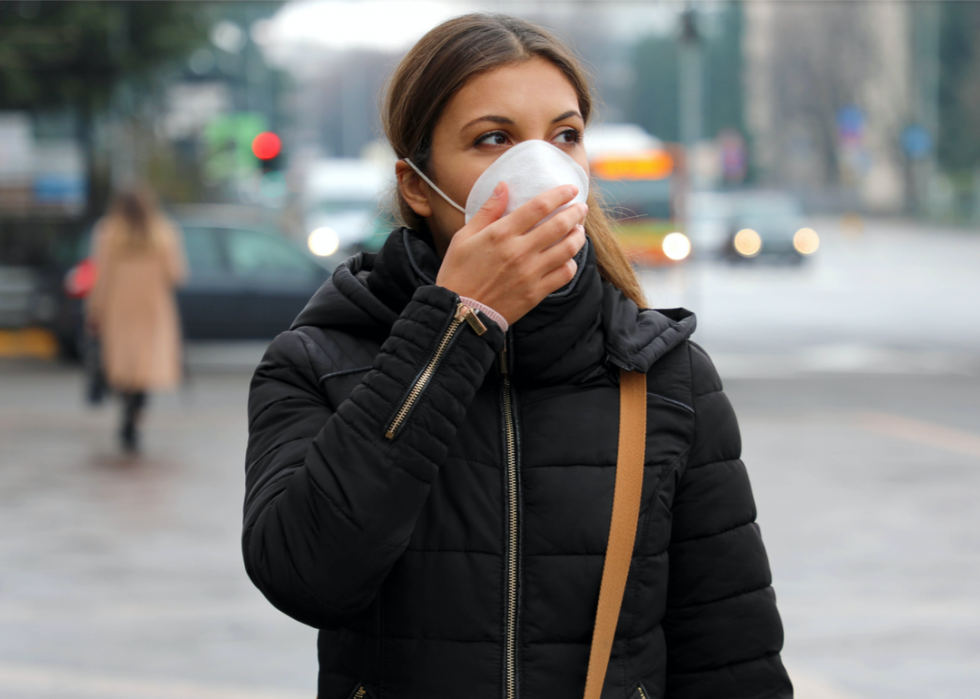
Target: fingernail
x=571 y=189
x=498 y=190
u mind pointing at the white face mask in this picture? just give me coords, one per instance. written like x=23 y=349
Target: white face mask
x=529 y=169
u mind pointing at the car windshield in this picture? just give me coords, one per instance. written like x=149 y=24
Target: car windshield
x=775 y=223
x=343 y=206
x=259 y=256
x=767 y=208
x=203 y=249
x=636 y=198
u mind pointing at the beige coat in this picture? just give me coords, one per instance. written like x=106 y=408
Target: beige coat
x=133 y=305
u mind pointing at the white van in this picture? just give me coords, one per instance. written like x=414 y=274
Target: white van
x=343 y=203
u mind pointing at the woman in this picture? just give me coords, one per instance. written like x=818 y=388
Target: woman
x=432 y=446
x=140 y=259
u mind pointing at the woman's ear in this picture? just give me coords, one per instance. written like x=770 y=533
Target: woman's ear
x=413 y=190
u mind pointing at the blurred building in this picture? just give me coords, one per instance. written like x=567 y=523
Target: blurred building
x=830 y=89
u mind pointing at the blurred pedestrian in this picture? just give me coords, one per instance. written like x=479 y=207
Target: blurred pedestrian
x=139 y=257
x=433 y=446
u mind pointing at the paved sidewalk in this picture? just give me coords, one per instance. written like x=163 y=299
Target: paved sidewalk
x=122 y=577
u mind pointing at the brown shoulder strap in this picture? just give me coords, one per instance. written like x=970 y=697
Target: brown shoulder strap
x=622 y=532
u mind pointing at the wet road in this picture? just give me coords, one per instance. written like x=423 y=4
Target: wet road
x=857 y=386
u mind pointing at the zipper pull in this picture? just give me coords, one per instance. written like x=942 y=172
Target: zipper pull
x=464 y=312
x=503 y=360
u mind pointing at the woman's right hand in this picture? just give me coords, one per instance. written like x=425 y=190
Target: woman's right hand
x=505 y=265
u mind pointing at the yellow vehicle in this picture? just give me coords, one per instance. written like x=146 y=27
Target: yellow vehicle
x=640 y=188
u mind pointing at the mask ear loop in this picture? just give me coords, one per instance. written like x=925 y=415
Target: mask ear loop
x=433 y=185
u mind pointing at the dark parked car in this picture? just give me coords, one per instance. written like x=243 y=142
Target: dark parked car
x=769 y=226
x=246 y=281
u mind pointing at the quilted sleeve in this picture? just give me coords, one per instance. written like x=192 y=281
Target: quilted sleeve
x=331 y=498
x=722 y=628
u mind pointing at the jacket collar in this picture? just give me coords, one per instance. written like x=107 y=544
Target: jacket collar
x=577 y=332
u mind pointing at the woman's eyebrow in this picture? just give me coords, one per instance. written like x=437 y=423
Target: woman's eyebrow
x=490 y=117
x=507 y=120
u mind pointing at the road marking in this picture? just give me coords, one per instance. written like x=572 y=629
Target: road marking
x=947 y=438
x=54 y=681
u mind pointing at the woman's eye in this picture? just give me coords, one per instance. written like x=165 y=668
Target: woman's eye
x=494 y=138
x=569 y=136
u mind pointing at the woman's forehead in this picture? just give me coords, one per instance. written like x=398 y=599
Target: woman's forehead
x=531 y=90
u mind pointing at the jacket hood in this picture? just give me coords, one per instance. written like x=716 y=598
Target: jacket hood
x=569 y=337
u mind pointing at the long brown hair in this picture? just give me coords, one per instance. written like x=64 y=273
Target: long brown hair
x=133 y=210
x=442 y=62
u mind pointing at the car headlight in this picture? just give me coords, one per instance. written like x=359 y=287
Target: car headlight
x=748 y=243
x=676 y=246
x=806 y=241
x=323 y=242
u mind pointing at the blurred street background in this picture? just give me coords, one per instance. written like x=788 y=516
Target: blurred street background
x=804 y=176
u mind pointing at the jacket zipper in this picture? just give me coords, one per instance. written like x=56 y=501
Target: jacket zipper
x=510 y=633
x=463 y=313
x=643 y=695
x=359 y=692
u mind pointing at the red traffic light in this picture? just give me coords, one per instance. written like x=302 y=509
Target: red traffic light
x=266 y=145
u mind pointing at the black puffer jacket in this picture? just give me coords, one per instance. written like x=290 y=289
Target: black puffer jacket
x=449 y=542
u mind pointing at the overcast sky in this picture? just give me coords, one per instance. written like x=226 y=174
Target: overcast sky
x=303 y=29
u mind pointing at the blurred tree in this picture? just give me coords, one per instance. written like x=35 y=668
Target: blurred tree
x=723 y=56
x=826 y=57
x=74 y=55
x=654 y=98
x=959 y=87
